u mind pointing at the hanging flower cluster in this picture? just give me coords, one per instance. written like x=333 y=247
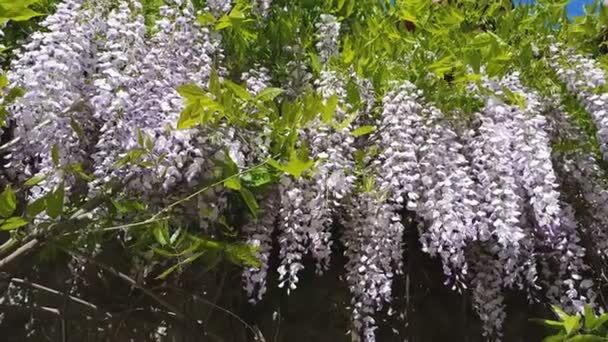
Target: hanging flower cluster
x=583 y=77
x=102 y=119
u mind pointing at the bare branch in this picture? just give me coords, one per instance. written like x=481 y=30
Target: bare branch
x=25 y=249
x=58 y=293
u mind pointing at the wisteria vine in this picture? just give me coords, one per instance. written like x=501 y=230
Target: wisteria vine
x=102 y=104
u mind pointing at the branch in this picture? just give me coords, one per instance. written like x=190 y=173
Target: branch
x=256 y=332
x=58 y=293
x=174 y=310
x=23 y=250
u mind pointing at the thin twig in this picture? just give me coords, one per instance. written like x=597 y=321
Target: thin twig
x=255 y=332
x=28 y=247
x=216 y=298
x=17 y=139
x=174 y=310
x=58 y=293
x=157 y=217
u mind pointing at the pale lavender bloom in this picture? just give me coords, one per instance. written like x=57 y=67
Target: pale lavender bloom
x=532 y=149
x=262 y=7
x=328 y=32
x=219 y=7
x=566 y=285
x=54 y=68
x=299 y=78
x=373 y=244
x=448 y=197
x=178 y=53
x=486 y=288
x=493 y=166
x=259 y=234
x=256 y=80
x=582 y=76
x=332 y=181
x=293 y=218
x=400 y=138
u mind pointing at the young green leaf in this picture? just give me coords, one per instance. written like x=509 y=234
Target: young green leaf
x=36 y=207
x=250 y=201
x=269 y=94
x=77 y=129
x=8 y=202
x=3 y=81
x=34 y=180
x=55 y=154
x=363 y=130
x=233 y=183
x=191 y=91
x=54 y=202
x=13 y=223
x=238 y=90
x=330 y=108
x=242 y=254
x=189 y=117
x=571 y=323
x=160 y=230
x=214 y=84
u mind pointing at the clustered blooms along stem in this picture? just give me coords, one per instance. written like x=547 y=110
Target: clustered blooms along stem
x=328 y=34
x=583 y=77
x=101 y=98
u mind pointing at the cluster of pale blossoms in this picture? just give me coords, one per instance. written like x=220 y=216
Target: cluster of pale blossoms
x=101 y=98
x=585 y=79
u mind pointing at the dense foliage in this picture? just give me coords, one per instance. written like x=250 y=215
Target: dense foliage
x=292 y=130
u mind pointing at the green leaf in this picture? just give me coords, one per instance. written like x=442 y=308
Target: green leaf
x=17 y=13
x=77 y=129
x=587 y=338
x=233 y=183
x=167 y=272
x=189 y=117
x=54 y=202
x=36 y=207
x=13 y=94
x=140 y=137
x=34 y=180
x=160 y=230
x=3 y=81
x=191 y=91
x=242 y=254
x=257 y=177
x=55 y=154
x=442 y=66
x=214 y=84
x=269 y=94
x=13 y=223
x=590 y=318
x=570 y=322
x=592 y=322
x=173 y=268
x=363 y=130
x=294 y=167
x=555 y=338
x=330 y=108
x=206 y=19
x=238 y=90
x=250 y=201
x=8 y=202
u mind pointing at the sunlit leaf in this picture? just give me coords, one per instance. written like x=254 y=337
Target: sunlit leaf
x=363 y=130
x=13 y=223
x=8 y=202
x=250 y=201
